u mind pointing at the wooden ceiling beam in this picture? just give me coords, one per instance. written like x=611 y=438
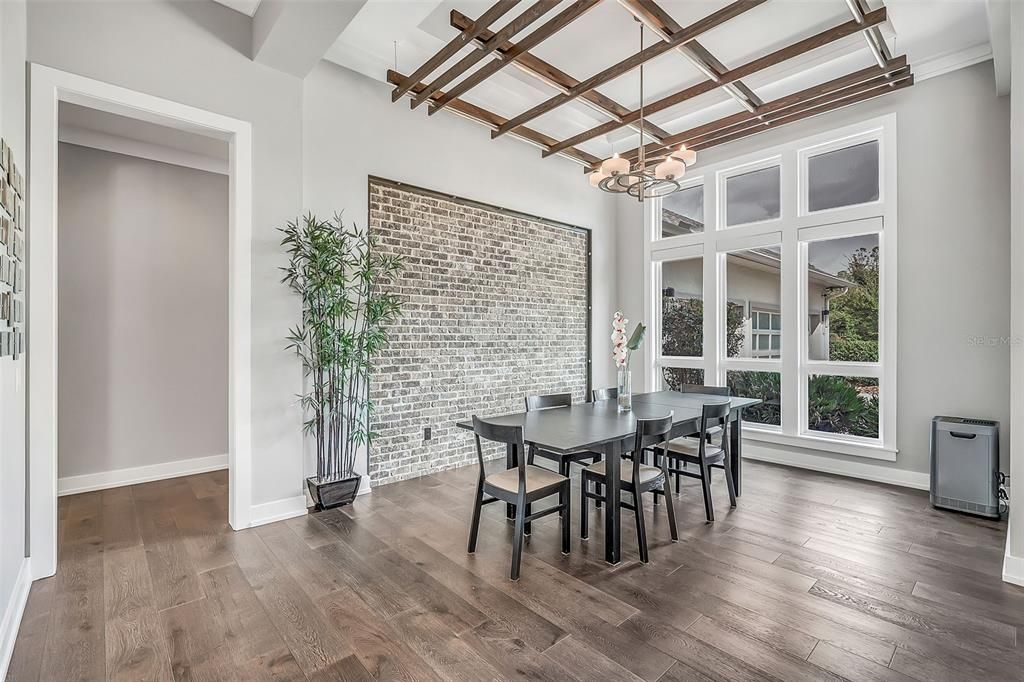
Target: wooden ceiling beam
x=798 y=48
x=844 y=82
x=662 y=23
x=492 y=121
x=530 y=15
x=548 y=29
x=811 y=104
x=688 y=34
x=882 y=87
x=557 y=78
x=467 y=35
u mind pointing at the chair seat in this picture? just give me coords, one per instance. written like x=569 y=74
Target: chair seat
x=647 y=473
x=537 y=478
x=689 y=448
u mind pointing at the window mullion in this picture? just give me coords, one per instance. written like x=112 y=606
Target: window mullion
x=792 y=338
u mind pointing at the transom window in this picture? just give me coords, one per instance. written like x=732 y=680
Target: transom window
x=774 y=274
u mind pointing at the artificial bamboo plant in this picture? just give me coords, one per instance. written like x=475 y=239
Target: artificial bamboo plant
x=346 y=309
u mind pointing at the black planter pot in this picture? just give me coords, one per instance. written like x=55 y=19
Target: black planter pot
x=333 y=492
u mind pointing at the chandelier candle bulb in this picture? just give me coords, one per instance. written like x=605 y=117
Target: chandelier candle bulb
x=669 y=169
x=615 y=166
x=687 y=156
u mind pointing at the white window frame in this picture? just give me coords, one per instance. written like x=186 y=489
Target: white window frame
x=793 y=230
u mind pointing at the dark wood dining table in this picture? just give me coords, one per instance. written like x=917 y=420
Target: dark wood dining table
x=601 y=427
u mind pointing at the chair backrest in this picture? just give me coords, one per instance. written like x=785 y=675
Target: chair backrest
x=605 y=394
x=649 y=432
x=544 y=402
x=707 y=390
x=500 y=433
x=714 y=414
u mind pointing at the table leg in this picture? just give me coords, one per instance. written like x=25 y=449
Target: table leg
x=612 y=512
x=736 y=450
x=510 y=461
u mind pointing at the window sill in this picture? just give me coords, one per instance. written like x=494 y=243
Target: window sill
x=827 y=445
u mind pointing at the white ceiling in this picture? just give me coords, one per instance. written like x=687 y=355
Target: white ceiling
x=936 y=36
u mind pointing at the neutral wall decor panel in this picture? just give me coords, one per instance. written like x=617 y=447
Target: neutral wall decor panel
x=495 y=305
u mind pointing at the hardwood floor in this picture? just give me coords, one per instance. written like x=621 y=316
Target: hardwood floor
x=813 y=577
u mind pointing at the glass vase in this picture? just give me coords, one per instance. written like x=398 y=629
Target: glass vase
x=625 y=390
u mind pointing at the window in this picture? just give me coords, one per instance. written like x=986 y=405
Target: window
x=753 y=197
x=753 y=303
x=766 y=330
x=682 y=308
x=683 y=212
x=795 y=308
x=842 y=299
x=764 y=385
x=675 y=378
x=845 y=177
x=846 y=406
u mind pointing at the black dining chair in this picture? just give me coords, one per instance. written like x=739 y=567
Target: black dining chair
x=564 y=461
x=521 y=485
x=702 y=452
x=636 y=479
x=604 y=394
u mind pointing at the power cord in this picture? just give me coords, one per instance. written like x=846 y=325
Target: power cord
x=1002 y=494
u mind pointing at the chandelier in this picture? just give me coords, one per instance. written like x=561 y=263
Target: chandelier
x=618 y=176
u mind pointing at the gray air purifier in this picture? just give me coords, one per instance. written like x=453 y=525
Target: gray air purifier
x=965 y=465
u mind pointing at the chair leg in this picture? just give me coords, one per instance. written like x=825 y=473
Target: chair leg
x=670 y=506
x=705 y=484
x=565 y=499
x=528 y=525
x=532 y=452
x=730 y=484
x=641 y=528
x=678 y=476
x=600 y=494
x=474 y=525
x=583 y=507
x=517 y=540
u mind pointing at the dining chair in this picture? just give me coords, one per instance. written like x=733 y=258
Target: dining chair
x=707 y=390
x=636 y=479
x=521 y=485
x=604 y=394
x=554 y=401
x=704 y=454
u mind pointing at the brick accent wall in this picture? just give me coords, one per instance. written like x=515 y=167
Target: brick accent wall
x=495 y=307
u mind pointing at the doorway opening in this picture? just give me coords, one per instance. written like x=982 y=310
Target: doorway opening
x=107 y=285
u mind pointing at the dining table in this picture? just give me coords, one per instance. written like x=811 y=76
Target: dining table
x=603 y=427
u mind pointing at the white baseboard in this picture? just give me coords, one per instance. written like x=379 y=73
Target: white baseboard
x=70 y=485
x=278 y=510
x=1013 y=566
x=13 y=612
x=842 y=467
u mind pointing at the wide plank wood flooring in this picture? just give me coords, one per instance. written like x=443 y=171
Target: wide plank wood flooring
x=812 y=577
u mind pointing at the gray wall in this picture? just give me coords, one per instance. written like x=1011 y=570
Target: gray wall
x=351 y=129
x=196 y=53
x=12 y=372
x=143 y=299
x=954 y=237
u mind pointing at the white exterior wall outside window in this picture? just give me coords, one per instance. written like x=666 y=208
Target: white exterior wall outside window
x=798 y=305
